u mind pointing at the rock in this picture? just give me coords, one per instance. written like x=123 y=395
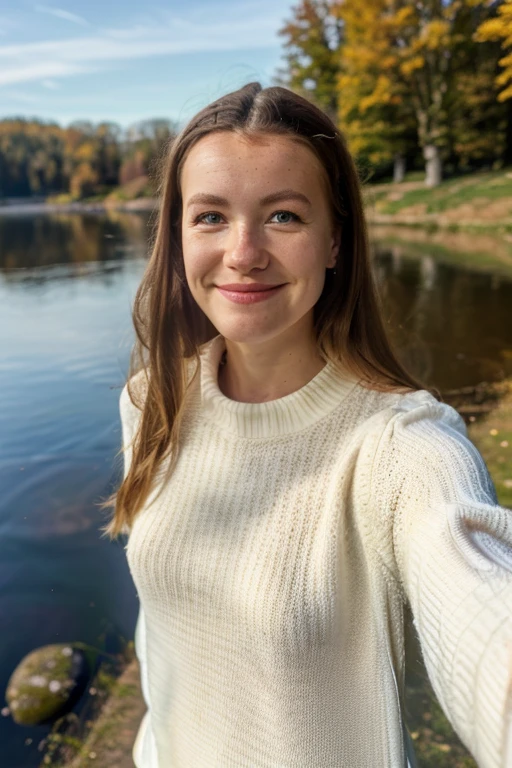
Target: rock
x=47 y=683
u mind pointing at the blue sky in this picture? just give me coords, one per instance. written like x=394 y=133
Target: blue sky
x=125 y=61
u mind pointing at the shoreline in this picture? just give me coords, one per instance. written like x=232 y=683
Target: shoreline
x=426 y=222
x=20 y=209
x=439 y=222
x=429 y=223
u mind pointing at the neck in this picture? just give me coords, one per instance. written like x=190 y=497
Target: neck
x=247 y=384
x=280 y=415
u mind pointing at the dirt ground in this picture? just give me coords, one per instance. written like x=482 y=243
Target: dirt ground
x=111 y=739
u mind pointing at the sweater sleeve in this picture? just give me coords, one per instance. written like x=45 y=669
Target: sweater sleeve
x=448 y=544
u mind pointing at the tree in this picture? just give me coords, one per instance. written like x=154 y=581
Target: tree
x=108 y=137
x=313 y=38
x=373 y=104
x=477 y=128
x=407 y=52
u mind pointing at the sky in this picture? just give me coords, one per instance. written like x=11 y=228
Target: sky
x=123 y=61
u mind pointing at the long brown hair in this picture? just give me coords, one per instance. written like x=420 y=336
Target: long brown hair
x=169 y=325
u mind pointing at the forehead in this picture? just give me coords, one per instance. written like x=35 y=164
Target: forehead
x=231 y=159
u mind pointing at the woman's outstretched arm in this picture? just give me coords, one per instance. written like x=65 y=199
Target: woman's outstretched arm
x=449 y=544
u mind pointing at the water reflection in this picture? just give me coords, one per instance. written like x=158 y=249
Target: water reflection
x=65 y=337
x=69 y=238
x=66 y=287
x=452 y=325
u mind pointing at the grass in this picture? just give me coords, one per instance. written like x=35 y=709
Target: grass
x=482 y=198
x=493 y=438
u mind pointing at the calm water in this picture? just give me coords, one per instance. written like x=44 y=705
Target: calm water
x=66 y=287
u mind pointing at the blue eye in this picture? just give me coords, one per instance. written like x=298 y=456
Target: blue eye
x=293 y=216
x=204 y=216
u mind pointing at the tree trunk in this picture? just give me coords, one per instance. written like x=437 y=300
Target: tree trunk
x=433 y=166
x=507 y=154
x=398 y=168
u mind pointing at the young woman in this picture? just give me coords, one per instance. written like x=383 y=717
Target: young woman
x=290 y=490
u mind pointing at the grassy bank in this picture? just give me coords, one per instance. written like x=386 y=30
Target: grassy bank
x=478 y=202
x=110 y=741
x=105 y=736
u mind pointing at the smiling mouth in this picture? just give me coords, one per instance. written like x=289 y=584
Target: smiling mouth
x=248 y=287
x=250 y=296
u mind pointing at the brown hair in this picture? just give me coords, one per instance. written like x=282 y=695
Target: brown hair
x=169 y=325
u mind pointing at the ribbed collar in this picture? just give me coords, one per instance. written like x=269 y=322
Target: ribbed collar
x=286 y=415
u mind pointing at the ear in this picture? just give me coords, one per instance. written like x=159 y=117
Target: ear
x=335 y=246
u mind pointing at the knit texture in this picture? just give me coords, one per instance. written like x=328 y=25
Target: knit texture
x=274 y=565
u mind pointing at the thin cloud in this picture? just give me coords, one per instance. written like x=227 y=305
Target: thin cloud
x=60 y=13
x=51 y=85
x=39 y=70
x=52 y=58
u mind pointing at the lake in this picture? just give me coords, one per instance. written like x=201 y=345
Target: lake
x=67 y=282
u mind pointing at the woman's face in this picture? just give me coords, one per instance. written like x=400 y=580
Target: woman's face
x=256 y=212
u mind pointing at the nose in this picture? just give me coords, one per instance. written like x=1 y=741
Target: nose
x=244 y=248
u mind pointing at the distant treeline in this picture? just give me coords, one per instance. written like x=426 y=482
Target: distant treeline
x=42 y=158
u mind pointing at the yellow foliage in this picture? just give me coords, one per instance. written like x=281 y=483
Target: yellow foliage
x=382 y=94
x=409 y=66
x=500 y=28
x=436 y=34
x=404 y=16
x=492 y=29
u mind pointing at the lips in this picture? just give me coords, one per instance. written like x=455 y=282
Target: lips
x=250 y=294
x=248 y=287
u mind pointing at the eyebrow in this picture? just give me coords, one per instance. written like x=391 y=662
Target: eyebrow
x=201 y=198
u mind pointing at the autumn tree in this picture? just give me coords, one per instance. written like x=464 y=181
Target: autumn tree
x=374 y=107
x=143 y=148
x=313 y=37
x=108 y=137
x=479 y=123
x=406 y=53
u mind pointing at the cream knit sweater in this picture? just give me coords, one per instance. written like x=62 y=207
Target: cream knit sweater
x=273 y=568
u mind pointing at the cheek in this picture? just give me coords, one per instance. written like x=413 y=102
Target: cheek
x=308 y=256
x=197 y=256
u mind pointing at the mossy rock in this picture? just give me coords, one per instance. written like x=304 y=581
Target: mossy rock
x=47 y=683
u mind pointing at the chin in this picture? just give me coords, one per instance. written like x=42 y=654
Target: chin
x=251 y=332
